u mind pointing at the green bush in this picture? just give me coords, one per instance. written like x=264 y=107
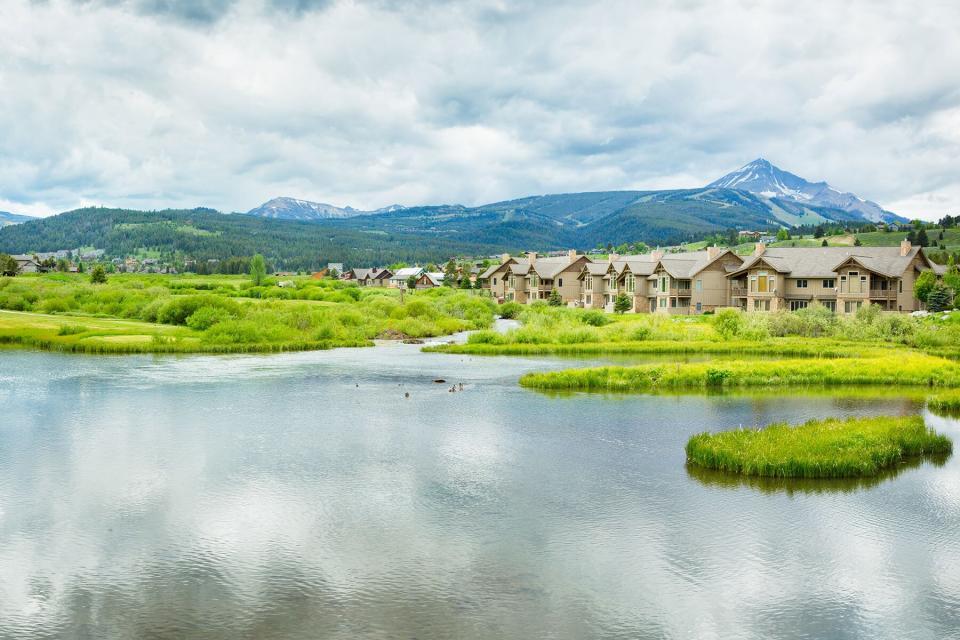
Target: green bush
x=728 y=323
x=510 y=310
x=595 y=318
x=205 y=317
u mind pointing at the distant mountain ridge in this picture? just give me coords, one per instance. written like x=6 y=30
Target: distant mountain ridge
x=762 y=178
x=295 y=209
x=7 y=218
x=300 y=234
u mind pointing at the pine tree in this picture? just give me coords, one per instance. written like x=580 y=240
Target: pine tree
x=922 y=238
x=939 y=298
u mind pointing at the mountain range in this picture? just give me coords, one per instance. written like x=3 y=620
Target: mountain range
x=7 y=218
x=301 y=234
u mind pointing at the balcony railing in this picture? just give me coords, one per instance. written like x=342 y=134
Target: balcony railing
x=738 y=292
x=884 y=294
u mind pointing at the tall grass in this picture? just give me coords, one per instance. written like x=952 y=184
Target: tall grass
x=906 y=368
x=222 y=315
x=948 y=403
x=831 y=448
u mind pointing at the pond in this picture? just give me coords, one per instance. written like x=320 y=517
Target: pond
x=308 y=496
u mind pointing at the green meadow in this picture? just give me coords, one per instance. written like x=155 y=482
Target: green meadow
x=829 y=448
x=221 y=314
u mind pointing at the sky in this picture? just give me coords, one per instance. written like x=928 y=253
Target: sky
x=367 y=103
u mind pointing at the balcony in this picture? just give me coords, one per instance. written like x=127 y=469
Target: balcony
x=883 y=294
x=738 y=291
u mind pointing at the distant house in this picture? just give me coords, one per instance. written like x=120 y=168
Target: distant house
x=335 y=266
x=429 y=280
x=27 y=263
x=399 y=278
x=747 y=235
x=379 y=278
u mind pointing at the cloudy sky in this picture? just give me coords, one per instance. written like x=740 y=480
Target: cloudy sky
x=227 y=103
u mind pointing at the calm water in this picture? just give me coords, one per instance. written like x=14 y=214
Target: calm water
x=303 y=496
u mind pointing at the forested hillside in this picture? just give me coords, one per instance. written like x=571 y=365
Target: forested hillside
x=204 y=234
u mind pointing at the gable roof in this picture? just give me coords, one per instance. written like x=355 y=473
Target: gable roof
x=823 y=262
x=492 y=269
x=406 y=272
x=549 y=268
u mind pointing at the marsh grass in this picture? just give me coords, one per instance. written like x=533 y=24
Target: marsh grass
x=832 y=448
x=162 y=314
x=901 y=369
x=945 y=403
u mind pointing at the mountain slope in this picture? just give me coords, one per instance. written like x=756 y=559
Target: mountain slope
x=762 y=178
x=294 y=209
x=7 y=218
x=204 y=234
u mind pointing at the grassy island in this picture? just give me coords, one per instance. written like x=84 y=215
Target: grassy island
x=906 y=368
x=221 y=314
x=830 y=448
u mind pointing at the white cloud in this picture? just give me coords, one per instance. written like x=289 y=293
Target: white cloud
x=227 y=103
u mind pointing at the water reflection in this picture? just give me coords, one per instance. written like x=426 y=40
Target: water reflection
x=790 y=486
x=304 y=496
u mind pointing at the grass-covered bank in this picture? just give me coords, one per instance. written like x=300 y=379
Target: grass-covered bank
x=174 y=314
x=829 y=448
x=947 y=403
x=812 y=332
x=900 y=369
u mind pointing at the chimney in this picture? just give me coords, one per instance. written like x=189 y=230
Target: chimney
x=759 y=248
x=713 y=252
x=657 y=255
x=572 y=255
x=532 y=257
x=905 y=247
x=612 y=257
x=504 y=258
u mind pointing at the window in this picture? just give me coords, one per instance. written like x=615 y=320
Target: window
x=801 y=284
x=901 y=286
x=851 y=306
x=796 y=305
x=673 y=302
x=830 y=304
x=699 y=307
x=494 y=281
x=534 y=281
x=664 y=280
x=513 y=282
x=630 y=283
x=663 y=303
x=589 y=299
x=763 y=282
x=699 y=286
x=761 y=305
x=560 y=282
x=829 y=283
x=588 y=283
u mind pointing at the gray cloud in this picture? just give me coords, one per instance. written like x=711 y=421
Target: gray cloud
x=227 y=103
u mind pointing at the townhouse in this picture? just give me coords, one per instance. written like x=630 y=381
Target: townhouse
x=843 y=279
x=526 y=280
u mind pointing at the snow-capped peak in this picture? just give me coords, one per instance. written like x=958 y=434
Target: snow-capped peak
x=762 y=178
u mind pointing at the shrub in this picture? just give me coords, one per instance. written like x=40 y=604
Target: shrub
x=178 y=309
x=728 y=323
x=510 y=310
x=595 y=318
x=205 y=317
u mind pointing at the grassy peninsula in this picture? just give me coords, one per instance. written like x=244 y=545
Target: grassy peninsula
x=811 y=332
x=903 y=369
x=830 y=448
x=221 y=314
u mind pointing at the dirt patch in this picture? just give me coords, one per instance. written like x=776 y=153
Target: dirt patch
x=393 y=334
